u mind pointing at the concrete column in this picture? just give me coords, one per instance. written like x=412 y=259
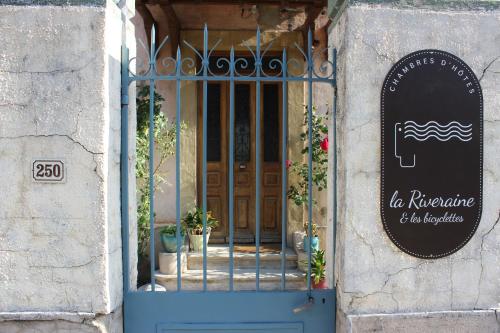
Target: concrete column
x=60 y=244
x=381 y=289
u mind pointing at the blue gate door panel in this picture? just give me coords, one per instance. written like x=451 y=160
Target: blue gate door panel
x=232 y=328
x=227 y=312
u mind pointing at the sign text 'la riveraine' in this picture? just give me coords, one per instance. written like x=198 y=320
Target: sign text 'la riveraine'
x=432 y=140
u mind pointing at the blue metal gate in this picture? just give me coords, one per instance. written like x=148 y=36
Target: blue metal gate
x=284 y=310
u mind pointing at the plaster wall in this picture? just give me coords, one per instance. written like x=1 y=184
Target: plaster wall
x=373 y=276
x=60 y=252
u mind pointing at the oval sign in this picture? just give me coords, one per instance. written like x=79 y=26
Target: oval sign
x=432 y=154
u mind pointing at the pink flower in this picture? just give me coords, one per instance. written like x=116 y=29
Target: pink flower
x=288 y=164
x=324 y=144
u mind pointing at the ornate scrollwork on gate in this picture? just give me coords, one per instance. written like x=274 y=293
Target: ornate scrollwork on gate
x=309 y=65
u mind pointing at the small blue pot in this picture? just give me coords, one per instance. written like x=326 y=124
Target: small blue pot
x=314 y=243
x=170 y=243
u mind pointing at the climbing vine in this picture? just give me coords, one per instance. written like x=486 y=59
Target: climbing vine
x=299 y=191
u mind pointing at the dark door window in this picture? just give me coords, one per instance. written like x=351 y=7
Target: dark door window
x=242 y=123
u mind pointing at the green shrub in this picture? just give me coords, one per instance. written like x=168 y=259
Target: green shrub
x=164 y=136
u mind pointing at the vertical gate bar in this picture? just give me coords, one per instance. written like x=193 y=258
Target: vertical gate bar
x=178 y=168
x=257 y=160
x=334 y=125
x=204 y=153
x=284 y=139
x=124 y=169
x=151 y=162
x=309 y=169
x=231 y=170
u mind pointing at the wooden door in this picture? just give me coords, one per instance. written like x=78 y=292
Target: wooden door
x=244 y=160
x=216 y=157
x=271 y=128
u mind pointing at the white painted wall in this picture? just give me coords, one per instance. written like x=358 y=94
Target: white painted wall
x=373 y=276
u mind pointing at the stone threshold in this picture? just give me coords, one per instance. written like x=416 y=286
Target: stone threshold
x=239 y=274
x=218 y=258
x=222 y=251
x=427 y=314
x=76 y=317
x=243 y=279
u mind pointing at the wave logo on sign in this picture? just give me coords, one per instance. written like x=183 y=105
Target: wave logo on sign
x=430 y=130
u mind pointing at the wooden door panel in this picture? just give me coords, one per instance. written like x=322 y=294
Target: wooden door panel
x=272 y=179
x=214 y=205
x=244 y=163
x=216 y=157
x=270 y=213
x=271 y=166
x=243 y=179
x=242 y=212
x=214 y=179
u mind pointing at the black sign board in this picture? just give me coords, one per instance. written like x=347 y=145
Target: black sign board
x=432 y=154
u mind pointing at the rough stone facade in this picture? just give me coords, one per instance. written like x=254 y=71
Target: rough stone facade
x=60 y=252
x=373 y=276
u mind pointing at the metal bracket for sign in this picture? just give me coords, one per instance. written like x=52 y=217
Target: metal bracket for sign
x=48 y=171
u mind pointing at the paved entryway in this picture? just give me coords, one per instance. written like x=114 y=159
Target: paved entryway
x=244 y=269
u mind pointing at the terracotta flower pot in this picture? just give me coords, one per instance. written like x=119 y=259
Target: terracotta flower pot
x=320 y=285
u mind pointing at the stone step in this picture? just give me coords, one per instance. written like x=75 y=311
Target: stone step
x=218 y=258
x=243 y=279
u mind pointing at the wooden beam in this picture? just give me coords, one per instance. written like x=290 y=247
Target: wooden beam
x=174 y=26
x=170 y=13
x=312 y=12
x=147 y=18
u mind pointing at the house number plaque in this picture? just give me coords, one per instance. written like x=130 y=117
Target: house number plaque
x=48 y=171
x=432 y=156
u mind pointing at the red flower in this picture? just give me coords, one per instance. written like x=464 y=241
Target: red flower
x=288 y=164
x=324 y=144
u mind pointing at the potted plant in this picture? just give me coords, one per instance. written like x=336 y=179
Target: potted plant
x=314 y=238
x=318 y=272
x=168 y=236
x=194 y=225
x=168 y=259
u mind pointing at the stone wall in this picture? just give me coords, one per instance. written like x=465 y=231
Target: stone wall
x=373 y=276
x=60 y=244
